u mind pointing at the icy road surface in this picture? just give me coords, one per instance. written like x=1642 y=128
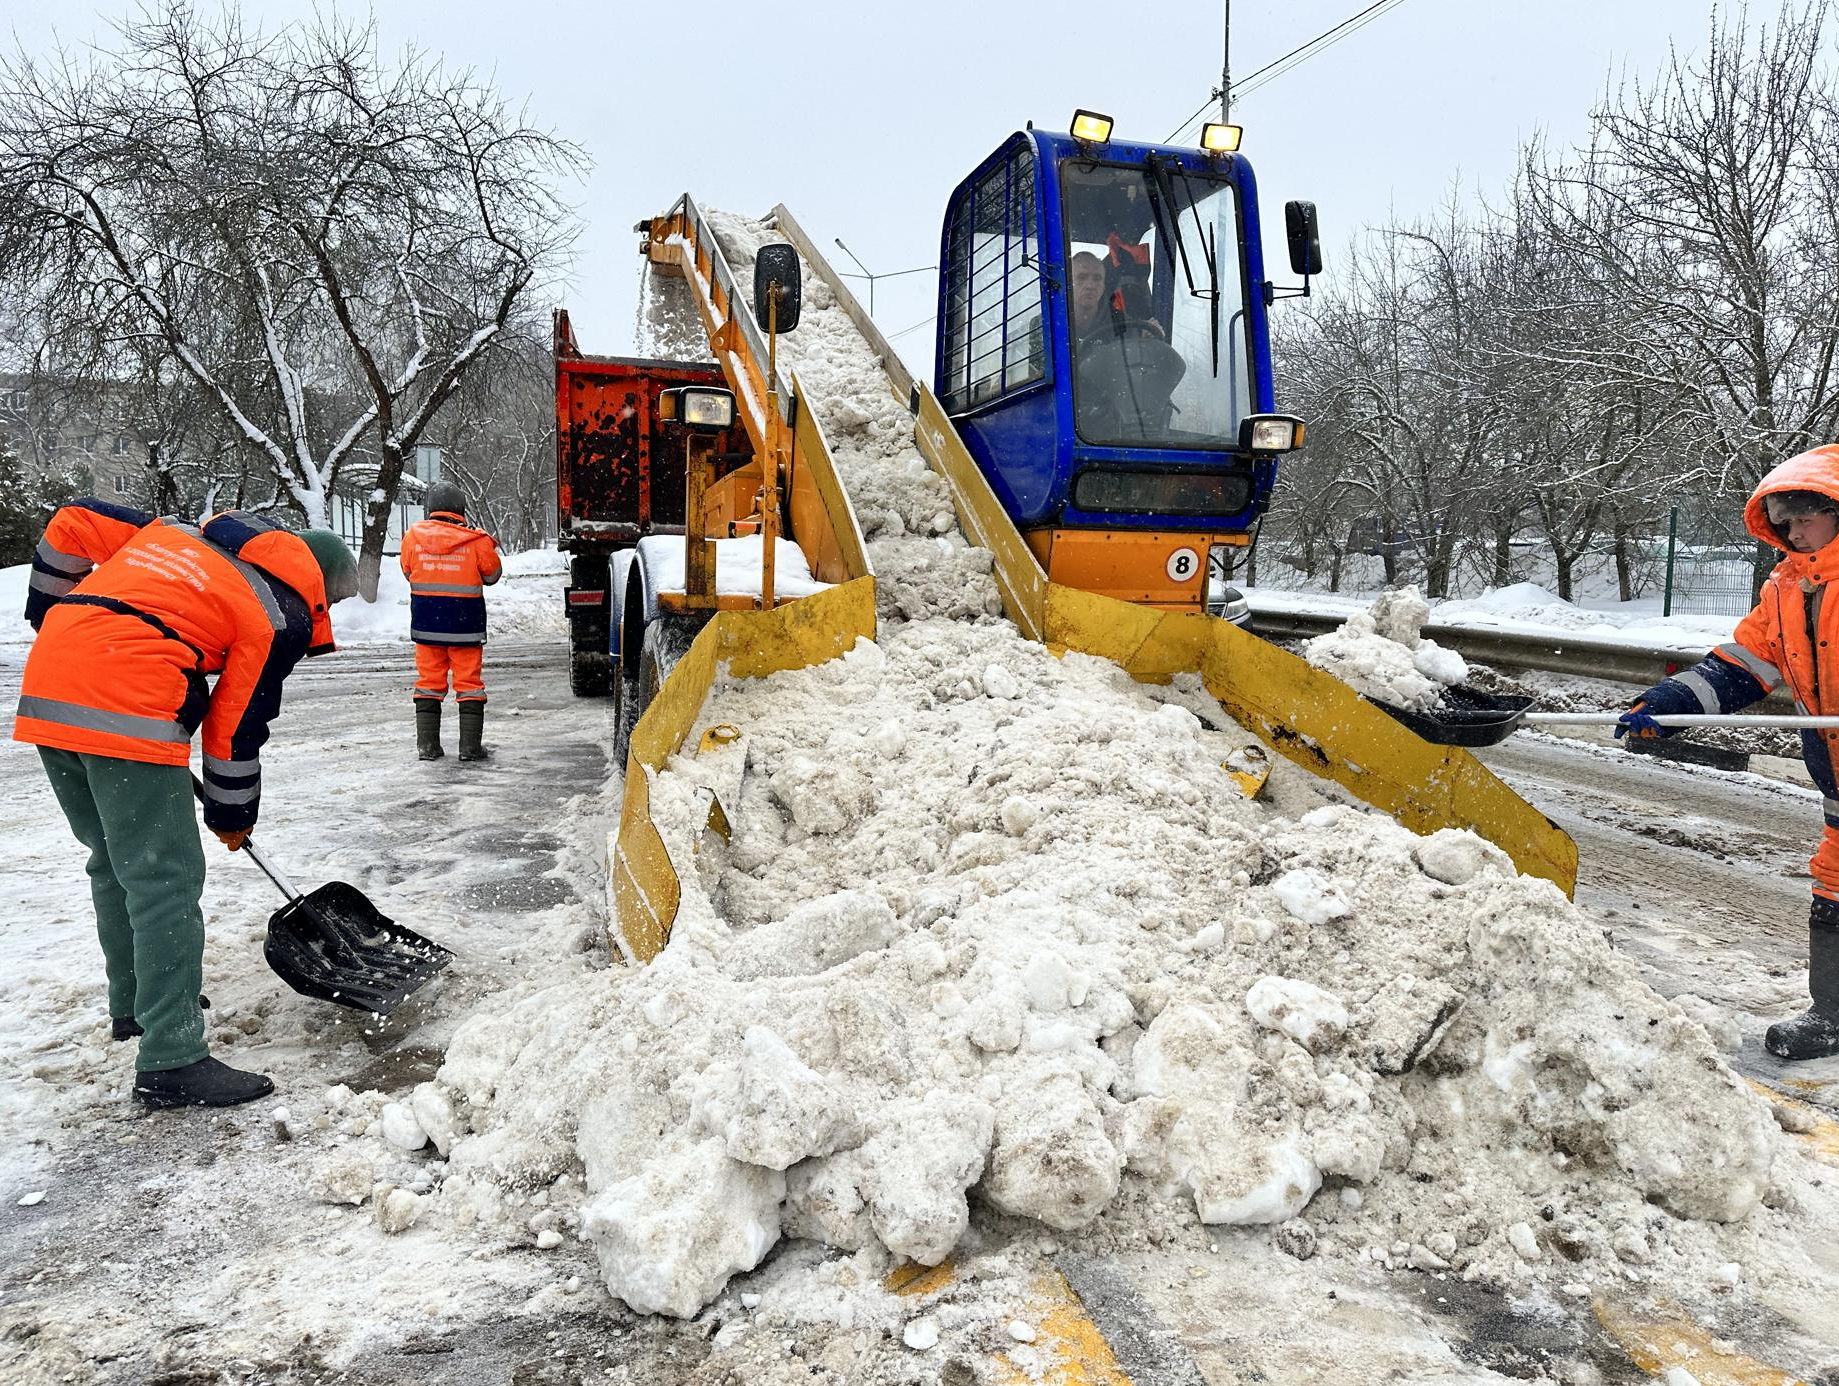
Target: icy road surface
x=186 y=1248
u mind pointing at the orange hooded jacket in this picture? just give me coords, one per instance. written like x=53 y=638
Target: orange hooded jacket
x=449 y=565
x=133 y=614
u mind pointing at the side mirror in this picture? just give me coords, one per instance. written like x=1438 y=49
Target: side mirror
x=1305 y=237
x=775 y=271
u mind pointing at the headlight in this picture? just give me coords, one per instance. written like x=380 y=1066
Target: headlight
x=1089 y=127
x=698 y=407
x=1219 y=138
x=1271 y=433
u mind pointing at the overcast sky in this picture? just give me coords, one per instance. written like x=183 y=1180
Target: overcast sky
x=862 y=118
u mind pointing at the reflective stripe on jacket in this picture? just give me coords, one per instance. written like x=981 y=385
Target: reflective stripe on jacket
x=1790 y=639
x=122 y=657
x=449 y=565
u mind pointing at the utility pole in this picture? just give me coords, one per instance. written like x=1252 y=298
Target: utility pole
x=1226 y=67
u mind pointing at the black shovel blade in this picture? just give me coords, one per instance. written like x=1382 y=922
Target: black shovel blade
x=1464 y=716
x=334 y=945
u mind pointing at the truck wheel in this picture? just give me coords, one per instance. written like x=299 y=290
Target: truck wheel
x=590 y=665
x=666 y=640
x=590 y=675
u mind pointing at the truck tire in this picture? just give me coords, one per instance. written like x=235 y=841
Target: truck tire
x=590 y=665
x=590 y=675
x=666 y=640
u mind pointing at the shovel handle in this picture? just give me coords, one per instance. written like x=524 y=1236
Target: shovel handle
x=1677 y=719
x=273 y=872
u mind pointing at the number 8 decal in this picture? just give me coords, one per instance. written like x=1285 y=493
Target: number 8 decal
x=1182 y=565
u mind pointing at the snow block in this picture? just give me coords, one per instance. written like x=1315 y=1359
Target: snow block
x=1051 y=1160
x=669 y=1238
x=926 y=1151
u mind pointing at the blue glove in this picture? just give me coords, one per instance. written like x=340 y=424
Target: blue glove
x=1635 y=722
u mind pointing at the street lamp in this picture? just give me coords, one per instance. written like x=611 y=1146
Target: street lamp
x=871 y=277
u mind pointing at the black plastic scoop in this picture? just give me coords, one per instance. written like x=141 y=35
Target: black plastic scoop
x=335 y=945
x=1466 y=716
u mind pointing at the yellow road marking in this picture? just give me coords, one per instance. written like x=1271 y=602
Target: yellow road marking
x=1823 y=1139
x=1069 y=1347
x=1676 y=1340
x=911 y=1278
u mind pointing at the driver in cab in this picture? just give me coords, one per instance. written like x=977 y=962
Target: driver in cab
x=1095 y=311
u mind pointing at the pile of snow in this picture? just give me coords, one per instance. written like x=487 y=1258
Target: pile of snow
x=1382 y=653
x=13 y=627
x=996 y=925
x=739 y=565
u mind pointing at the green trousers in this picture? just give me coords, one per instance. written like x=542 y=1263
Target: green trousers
x=146 y=875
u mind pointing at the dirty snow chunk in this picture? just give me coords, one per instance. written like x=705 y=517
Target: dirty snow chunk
x=548 y=1239
x=815 y=936
x=1381 y=653
x=670 y=1237
x=398 y=1210
x=1440 y=665
x=1020 y=1331
x=1052 y=1161
x=1456 y=856
x=1240 y=1177
x=1679 y=1376
x=346 y=1180
x=922 y=1335
x=1310 y=896
x=1724 y=1031
x=770 y=1109
x=32 y=1200
x=400 y=1128
x=998 y=682
x=1189 y=1051
x=890 y=738
x=823 y=798
x=1520 y=1238
x=1018 y=815
x=926 y=1151
x=434 y=1112
x=1312 y=1017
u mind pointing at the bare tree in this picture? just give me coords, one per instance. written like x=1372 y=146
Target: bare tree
x=323 y=244
x=1708 y=202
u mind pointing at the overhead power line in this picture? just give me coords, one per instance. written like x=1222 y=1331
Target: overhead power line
x=1296 y=57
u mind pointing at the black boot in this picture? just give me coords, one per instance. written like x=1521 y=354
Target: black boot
x=1814 y=1033
x=126 y=1027
x=472 y=727
x=206 y=1083
x=428 y=729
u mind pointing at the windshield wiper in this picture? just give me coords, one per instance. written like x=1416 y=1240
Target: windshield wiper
x=1209 y=248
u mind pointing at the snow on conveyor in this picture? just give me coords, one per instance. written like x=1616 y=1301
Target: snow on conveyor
x=996 y=944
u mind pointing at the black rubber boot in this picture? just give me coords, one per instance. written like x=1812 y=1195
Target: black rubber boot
x=1814 y=1033
x=207 y=1083
x=126 y=1027
x=428 y=729
x=472 y=727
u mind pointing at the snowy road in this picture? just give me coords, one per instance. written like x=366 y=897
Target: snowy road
x=191 y=1248
x=1701 y=876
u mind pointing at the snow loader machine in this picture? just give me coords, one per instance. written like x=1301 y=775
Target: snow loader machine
x=1102 y=410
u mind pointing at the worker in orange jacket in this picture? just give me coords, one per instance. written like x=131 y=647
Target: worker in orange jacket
x=1791 y=638
x=449 y=566
x=134 y=616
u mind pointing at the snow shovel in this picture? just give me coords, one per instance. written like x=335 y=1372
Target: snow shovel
x=335 y=945
x=1469 y=717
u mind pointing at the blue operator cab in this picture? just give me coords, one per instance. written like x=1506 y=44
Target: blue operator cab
x=1104 y=351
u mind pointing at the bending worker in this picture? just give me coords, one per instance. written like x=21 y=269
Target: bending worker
x=448 y=566
x=133 y=614
x=1782 y=641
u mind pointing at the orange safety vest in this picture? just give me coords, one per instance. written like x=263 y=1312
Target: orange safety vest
x=449 y=565
x=133 y=616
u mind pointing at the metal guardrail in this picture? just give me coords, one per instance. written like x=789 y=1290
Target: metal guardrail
x=1637 y=662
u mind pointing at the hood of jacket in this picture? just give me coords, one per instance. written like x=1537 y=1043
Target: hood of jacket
x=1814 y=470
x=281 y=554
